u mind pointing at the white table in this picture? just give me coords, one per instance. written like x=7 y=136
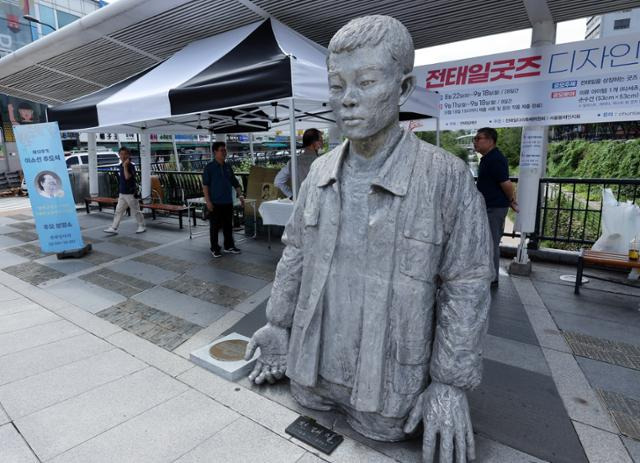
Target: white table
x=276 y=212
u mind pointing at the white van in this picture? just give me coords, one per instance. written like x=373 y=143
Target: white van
x=105 y=159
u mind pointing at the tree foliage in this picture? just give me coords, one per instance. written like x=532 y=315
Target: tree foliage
x=448 y=141
x=603 y=159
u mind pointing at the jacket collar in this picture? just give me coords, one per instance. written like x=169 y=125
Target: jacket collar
x=395 y=172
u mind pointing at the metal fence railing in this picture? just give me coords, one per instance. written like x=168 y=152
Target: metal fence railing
x=569 y=213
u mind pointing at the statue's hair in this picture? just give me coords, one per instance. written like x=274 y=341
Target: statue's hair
x=373 y=30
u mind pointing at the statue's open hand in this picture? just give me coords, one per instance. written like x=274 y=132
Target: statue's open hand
x=444 y=411
x=273 y=342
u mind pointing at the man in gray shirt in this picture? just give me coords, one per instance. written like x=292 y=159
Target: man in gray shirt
x=311 y=144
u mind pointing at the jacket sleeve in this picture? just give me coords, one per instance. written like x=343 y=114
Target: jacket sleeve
x=464 y=297
x=282 y=178
x=286 y=285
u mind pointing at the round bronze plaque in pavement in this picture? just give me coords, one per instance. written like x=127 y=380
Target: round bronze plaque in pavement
x=229 y=351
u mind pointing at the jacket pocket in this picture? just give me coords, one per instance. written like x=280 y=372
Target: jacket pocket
x=420 y=244
x=410 y=367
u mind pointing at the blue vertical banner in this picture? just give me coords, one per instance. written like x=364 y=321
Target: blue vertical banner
x=45 y=172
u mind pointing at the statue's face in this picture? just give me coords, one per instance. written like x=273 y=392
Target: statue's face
x=364 y=91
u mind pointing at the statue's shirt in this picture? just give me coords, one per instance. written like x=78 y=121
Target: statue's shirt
x=344 y=291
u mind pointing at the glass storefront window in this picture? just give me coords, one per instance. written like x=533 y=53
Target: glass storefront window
x=47 y=16
x=65 y=18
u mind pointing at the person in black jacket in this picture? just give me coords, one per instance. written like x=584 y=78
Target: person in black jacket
x=217 y=181
x=494 y=184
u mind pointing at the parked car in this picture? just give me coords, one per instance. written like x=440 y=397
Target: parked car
x=106 y=159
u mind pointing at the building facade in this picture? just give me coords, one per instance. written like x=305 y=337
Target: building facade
x=617 y=23
x=16 y=31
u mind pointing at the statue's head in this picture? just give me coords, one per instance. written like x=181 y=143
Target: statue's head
x=370 y=62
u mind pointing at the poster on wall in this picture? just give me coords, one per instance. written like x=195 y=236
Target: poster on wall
x=575 y=83
x=45 y=173
x=16 y=111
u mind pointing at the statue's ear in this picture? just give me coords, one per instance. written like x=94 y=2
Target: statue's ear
x=408 y=84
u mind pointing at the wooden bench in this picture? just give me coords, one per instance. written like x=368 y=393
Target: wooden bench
x=102 y=200
x=169 y=208
x=607 y=259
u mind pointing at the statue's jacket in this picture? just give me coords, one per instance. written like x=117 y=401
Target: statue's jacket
x=428 y=272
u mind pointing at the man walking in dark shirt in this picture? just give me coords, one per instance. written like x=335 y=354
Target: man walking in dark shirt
x=217 y=181
x=495 y=186
x=127 y=189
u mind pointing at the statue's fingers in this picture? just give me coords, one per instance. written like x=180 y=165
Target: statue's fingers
x=256 y=371
x=268 y=375
x=461 y=445
x=262 y=376
x=446 y=446
x=277 y=373
x=470 y=440
x=428 y=444
x=251 y=349
x=415 y=416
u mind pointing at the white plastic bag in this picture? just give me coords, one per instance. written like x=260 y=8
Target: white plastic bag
x=620 y=224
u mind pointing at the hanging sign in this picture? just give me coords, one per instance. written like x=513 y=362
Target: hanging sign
x=575 y=83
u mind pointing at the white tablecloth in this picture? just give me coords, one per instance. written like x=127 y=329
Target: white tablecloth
x=276 y=212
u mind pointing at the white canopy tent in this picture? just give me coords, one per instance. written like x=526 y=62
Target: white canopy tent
x=249 y=79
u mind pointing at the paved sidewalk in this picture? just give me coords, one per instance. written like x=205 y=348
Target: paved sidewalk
x=94 y=359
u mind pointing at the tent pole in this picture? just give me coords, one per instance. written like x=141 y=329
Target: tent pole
x=253 y=155
x=292 y=144
x=175 y=153
x=145 y=166
x=93 y=164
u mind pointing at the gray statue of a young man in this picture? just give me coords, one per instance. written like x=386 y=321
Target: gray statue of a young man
x=380 y=301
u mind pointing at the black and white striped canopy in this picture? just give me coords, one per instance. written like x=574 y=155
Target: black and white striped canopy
x=239 y=81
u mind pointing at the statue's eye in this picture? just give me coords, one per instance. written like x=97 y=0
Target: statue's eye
x=366 y=83
x=335 y=88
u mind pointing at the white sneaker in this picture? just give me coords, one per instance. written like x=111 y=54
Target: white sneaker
x=110 y=230
x=141 y=229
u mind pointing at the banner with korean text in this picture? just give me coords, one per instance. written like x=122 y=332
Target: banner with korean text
x=45 y=173
x=574 y=83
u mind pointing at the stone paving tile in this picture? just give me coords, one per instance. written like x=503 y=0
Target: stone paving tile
x=20 y=216
x=6 y=242
x=24 y=397
x=66 y=266
x=134 y=242
x=33 y=273
x=36 y=336
x=160 y=328
x=27 y=226
x=625 y=412
x=120 y=283
x=36 y=360
x=8 y=259
x=182 y=305
x=66 y=424
x=22 y=320
x=206 y=291
x=633 y=447
x=165 y=262
x=617 y=353
x=23 y=236
x=97 y=257
x=219 y=276
x=255 y=270
x=142 y=271
x=30 y=250
x=13 y=448
x=229 y=445
x=87 y=296
x=153 y=435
